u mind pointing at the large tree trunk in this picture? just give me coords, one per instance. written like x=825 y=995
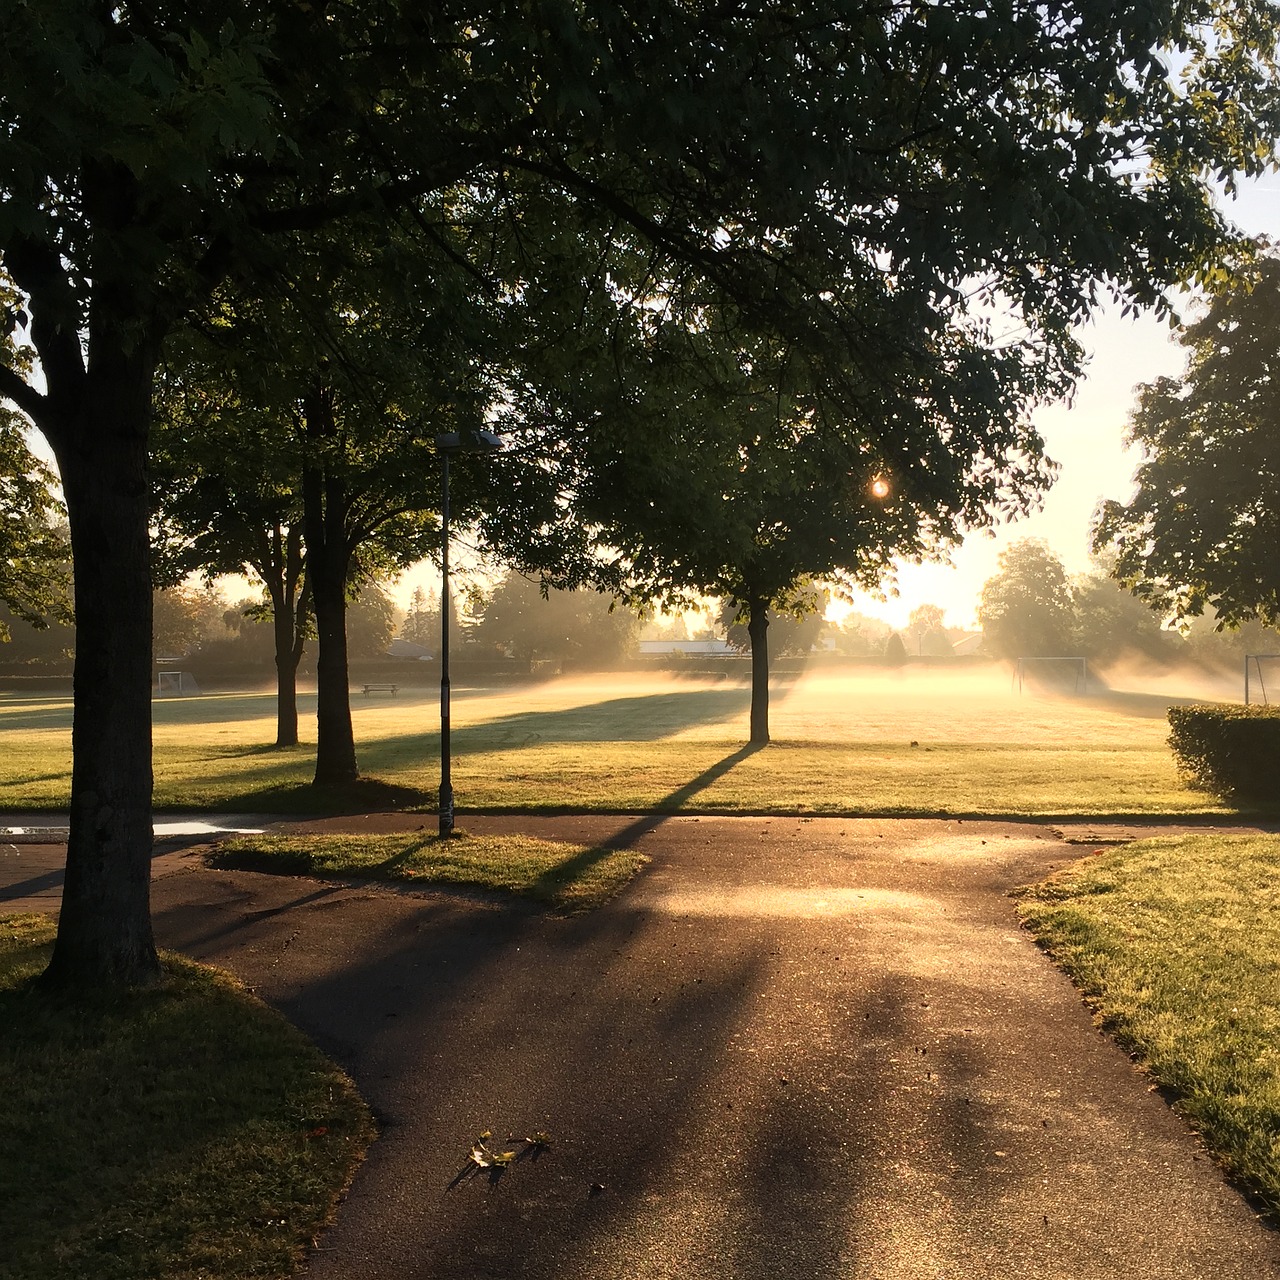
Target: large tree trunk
x=96 y=415
x=286 y=688
x=287 y=587
x=758 y=630
x=104 y=930
x=328 y=560
x=288 y=655
x=335 y=739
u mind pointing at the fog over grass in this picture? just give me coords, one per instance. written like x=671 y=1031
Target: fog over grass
x=851 y=740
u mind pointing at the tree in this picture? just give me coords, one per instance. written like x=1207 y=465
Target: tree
x=327 y=397
x=34 y=564
x=895 y=650
x=1202 y=530
x=793 y=632
x=49 y=645
x=225 y=494
x=371 y=622
x=925 y=627
x=1026 y=610
x=421 y=625
x=860 y=636
x=151 y=156
x=581 y=627
x=183 y=617
x=1111 y=623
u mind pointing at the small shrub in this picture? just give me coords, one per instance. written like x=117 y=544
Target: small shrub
x=895 y=651
x=1229 y=750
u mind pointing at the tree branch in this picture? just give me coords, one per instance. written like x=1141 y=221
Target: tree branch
x=15 y=388
x=37 y=270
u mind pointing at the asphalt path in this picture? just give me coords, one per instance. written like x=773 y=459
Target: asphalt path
x=791 y=1048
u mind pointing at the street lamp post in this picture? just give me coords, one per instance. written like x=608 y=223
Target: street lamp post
x=447 y=444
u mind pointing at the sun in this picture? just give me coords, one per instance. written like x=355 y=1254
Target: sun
x=880 y=487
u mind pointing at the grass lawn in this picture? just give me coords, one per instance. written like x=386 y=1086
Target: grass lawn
x=568 y=877
x=844 y=743
x=1176 y=941
x=178 y=1133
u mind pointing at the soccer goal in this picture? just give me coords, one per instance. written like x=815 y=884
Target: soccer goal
x=1258 y=669
x=175 y=683
x=1056 y=675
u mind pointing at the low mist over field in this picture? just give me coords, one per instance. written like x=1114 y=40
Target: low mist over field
x=916 y=739
x=855 y=704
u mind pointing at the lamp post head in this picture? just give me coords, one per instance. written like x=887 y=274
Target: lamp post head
x=478 y=441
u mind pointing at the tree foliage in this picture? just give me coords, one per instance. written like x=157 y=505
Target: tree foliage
x=371 y=622
x=873 y=401
x=1026 y=609
x=1202 y=530
x=1111 y=623
x=184 y=617
x=794 y=631
x=925 y=626
x=34 y=550
x=1032 y=608
x=296 y=437
x=581 y=628
x=421 y=625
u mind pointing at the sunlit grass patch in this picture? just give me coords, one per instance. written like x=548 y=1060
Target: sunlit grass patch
x=183 y=1132
x=568 y=877
x=1177 y=942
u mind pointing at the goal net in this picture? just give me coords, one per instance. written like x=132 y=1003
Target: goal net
x=1261 y=678
x=1052 y=675
x=171 y=683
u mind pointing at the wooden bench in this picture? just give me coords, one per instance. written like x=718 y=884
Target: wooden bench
x=392 y=689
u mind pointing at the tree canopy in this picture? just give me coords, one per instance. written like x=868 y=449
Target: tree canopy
x=1033 y=609
x=1026 y=610
x=581 y=628
x=34 y=550
x=1202 y=530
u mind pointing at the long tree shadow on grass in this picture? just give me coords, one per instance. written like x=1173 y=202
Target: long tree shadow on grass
x=667 y=808
x=643 y=718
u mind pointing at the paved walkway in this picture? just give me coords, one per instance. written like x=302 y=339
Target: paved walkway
x=818 y=1049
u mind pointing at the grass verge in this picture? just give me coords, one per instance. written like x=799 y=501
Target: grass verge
x=183 y=1132
x=568 y=877
x=1176 y=943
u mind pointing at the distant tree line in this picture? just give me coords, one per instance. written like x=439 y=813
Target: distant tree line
x=1033 y=608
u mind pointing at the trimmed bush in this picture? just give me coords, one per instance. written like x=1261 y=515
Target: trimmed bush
x=1229 y=750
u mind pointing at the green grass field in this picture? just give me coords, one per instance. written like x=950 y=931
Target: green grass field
x=1176 y=941
x=180 y=1133
x=912 y=743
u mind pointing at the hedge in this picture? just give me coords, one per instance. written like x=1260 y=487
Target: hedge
x=1231 y=750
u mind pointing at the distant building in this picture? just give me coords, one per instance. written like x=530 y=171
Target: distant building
x=964 y=646
x=702 y=648
x=407 y=649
